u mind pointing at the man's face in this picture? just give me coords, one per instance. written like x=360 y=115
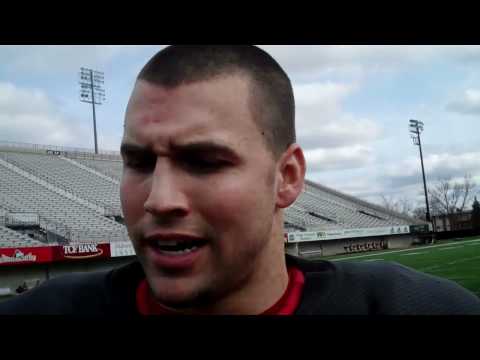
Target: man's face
x=198 y=189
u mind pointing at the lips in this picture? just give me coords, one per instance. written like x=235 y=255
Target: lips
x=174 y=250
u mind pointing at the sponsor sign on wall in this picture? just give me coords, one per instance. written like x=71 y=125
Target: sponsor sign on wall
x=121 y=248
x=419 y=229
x=80 y=251
x=25 y=255
x=56 y=152
x=353 y=247
x=347 y=233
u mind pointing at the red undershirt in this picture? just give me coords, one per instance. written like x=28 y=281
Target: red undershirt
x=286 y=305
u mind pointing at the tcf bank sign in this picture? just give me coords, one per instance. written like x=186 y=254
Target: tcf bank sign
x=82 y=251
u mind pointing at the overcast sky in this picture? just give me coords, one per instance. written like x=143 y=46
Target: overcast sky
x=353 y=106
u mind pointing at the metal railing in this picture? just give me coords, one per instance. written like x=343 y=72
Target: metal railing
x=75 y=152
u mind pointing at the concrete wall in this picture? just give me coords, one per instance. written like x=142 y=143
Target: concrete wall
x=401 y=242
x=348 y=246
x=291 y=249
x=13 y=276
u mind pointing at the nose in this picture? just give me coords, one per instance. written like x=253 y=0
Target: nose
x=166 y=197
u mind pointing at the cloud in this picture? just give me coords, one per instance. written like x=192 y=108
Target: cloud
x=453 y=165
x=468 y=104
x=348 y=157
x=352 y=182
x=28 y=115
x=65 y=58
x=321 y=121
x=466 y=54
x=437 y=166
x=14 y=100
x=332 y=138
x=310 y=61
x=358 y=59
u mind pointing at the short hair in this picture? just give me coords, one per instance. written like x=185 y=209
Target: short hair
x=271 y=99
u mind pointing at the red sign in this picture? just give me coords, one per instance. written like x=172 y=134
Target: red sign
x=25 y=255
x=47 y=254
x=81 y=251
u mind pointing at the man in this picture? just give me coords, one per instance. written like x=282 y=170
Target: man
x=210 y=164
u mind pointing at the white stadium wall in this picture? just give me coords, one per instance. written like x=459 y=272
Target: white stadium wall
x=349 y=246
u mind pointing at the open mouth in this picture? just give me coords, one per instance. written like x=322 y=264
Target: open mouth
x=173 y=247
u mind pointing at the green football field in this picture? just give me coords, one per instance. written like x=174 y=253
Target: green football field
x=457 y=260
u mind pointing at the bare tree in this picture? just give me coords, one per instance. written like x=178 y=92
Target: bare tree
x=420 y=213
x=402 y=205
x=448 y=197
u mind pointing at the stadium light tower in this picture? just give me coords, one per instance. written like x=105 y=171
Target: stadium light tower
x=416 y=127
x=91 y=91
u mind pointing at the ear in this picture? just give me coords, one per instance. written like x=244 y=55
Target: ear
x=291 y=170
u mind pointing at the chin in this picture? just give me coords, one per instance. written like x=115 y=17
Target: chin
x=179 y=294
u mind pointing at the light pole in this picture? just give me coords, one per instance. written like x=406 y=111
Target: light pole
x=416 y=127
x=91 y=91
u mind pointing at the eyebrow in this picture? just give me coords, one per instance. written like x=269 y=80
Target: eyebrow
x=194 y=147
x=205 y=147
x=132 y=149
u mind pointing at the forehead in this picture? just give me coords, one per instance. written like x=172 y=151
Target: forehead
x=219 y=107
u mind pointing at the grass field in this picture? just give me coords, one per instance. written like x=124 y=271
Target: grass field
x=457 y=260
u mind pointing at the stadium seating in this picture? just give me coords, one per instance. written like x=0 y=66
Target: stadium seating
x=109 y=168
x=33 y=181
x=84 y=224
x=69 y=177
x=321 y=208
x=11 y=238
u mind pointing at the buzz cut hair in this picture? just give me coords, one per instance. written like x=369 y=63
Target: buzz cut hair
x=271 y=95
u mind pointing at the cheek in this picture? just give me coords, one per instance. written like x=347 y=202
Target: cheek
x=237 y=207
x=132 y=198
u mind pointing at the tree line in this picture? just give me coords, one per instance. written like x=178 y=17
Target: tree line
x=446 y=197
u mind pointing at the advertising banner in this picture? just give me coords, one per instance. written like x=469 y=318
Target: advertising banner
x=25 y=255
x=80 y=251
x=347 y=233
x=419 y=229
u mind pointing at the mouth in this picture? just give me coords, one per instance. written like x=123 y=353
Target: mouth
x=177 y=247
x=175 y=251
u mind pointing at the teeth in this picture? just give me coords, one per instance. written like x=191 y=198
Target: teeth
x=179 y=252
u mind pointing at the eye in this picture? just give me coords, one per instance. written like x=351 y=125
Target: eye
x=204 y=165
x=141 y=164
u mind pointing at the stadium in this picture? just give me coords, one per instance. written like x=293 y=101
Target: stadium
x=60 y=212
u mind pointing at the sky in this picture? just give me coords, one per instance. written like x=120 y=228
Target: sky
x=353 y=106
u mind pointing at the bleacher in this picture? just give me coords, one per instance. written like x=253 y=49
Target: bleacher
x=77 y=190
x=11 y=238
x=67 y=176
x=19 y=193
x=111 y=168
x=322 y=208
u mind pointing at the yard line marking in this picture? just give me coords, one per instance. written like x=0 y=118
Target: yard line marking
x=370 y=260
x=453 y=247
x=415 y=253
